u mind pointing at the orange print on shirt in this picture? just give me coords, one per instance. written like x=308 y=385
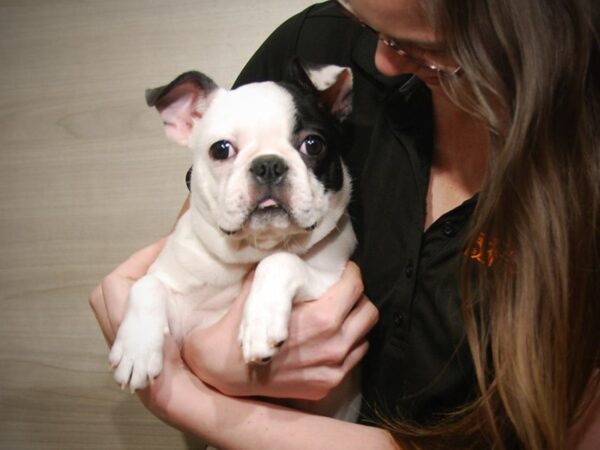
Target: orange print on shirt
x=485 y=251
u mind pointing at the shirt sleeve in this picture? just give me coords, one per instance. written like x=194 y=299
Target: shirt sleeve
x=268 y=63
x=321 y=34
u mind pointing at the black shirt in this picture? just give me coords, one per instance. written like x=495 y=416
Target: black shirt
x=418 y=364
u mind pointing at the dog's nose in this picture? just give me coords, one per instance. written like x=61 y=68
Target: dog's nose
x=269 y=169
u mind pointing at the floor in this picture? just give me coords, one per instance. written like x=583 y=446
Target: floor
x=87 y=177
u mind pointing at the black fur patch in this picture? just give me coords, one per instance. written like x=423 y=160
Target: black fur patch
x=312 y=118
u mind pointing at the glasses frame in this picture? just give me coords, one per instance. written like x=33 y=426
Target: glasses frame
x=440 y=70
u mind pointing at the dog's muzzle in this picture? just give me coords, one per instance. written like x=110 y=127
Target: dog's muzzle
x=269 y=170
x=269 y=173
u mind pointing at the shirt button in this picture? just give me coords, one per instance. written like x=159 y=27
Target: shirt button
x=448 y=229
x=398 y=319
x=409 y=270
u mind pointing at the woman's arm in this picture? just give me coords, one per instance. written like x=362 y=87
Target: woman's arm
x=230 y=423
x=326 y=340
x=182 y=400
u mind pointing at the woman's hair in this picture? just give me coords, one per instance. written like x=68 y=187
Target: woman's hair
x=532 y=302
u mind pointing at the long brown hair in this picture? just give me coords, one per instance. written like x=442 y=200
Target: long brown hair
x=532 y=309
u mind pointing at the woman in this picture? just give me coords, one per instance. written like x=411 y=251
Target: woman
x=499 y=149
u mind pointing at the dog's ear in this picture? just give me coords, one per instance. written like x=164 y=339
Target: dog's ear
x=180 y=102
x=332 y=83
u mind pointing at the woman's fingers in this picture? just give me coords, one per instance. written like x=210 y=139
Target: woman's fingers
x=115 y=290
x=98 y=305
x=360 y=321
x=315 y=320
x=355 y=356
x=344 y=294
x=336 y=350
x=318 y=346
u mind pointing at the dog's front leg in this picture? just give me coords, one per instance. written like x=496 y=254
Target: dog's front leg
x=279 y=280
x=137 y=351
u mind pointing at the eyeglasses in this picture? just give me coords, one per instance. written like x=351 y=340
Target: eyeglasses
x=443 y=70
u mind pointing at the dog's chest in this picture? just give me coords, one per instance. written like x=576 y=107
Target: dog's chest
x=201 y=307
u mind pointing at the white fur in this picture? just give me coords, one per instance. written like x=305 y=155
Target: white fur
x=324 y=77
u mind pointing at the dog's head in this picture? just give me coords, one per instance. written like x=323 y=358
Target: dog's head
x=266 y=156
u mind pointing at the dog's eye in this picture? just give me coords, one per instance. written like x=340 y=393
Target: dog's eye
x=313 y=145
x=222 y=150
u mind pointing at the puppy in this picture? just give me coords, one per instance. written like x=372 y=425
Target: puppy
x=268 y=187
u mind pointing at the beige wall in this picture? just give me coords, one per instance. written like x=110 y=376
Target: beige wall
x=86 y=177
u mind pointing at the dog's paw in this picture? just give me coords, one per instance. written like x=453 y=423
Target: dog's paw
x=136 y=354
x=262 y=333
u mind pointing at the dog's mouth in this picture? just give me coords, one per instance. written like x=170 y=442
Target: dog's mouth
x=270 y=205
x=269 y=212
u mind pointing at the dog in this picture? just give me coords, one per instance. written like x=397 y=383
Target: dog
x=268 y=190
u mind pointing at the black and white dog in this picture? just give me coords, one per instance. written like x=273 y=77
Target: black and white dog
x=268 y=187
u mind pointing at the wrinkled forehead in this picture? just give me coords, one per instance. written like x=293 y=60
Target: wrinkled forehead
x=253 y=109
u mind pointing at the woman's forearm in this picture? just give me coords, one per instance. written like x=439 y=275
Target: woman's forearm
x=233 y=423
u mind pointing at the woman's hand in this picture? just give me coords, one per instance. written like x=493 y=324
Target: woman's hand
x=326 y=340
